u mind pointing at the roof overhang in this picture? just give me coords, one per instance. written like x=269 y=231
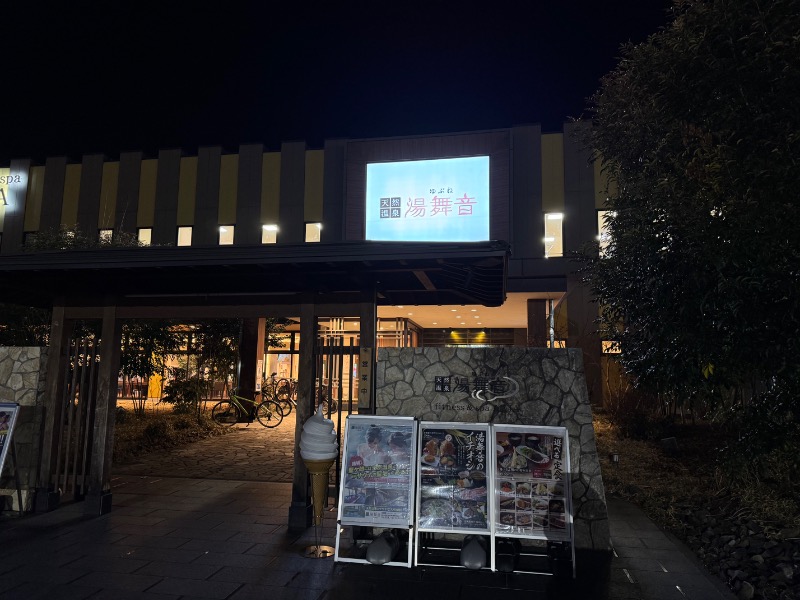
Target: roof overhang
x=408 y=273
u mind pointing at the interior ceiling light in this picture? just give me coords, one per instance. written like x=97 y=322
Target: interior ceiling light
x=555 y=216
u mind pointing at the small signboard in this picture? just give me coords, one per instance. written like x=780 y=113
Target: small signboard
x=531 y=482
x=452 y=481
x=8 y=418
x=378 y=471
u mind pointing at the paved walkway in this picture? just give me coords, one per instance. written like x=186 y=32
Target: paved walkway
x=209 y=521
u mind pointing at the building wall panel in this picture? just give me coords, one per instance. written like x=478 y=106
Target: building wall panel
x=205 y=231
x=127 y=204
x=248 y=202
x=89 y=196
x=106 y=217
x=292 y=207
x=33 y=204
x=165 y=218
x=187 y=191
x=147 y=191
x=71 y=200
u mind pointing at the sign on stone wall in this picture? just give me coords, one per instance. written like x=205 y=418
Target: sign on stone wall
x=504 y=385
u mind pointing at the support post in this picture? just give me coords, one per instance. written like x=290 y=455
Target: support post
x=98 y=497
x=300 y=513
x=47 y=495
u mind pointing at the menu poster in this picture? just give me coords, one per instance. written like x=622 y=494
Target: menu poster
x=531 y=486
x=378 y=471
x=8 y=417
x=452 y=484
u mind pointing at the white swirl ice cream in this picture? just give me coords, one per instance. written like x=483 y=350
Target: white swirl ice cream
x=318 y=438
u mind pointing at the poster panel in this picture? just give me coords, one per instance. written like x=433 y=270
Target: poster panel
x=452 y=484
x=378 y=471
x=8 y=417
x=531 y=482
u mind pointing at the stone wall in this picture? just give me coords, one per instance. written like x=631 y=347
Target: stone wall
x=551 y=391
x=22 y=380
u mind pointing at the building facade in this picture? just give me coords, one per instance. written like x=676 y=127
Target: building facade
x=359 y=228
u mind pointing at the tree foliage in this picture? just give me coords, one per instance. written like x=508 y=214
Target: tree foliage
x=699 y=136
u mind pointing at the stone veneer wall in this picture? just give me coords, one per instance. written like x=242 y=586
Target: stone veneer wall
x=22 y=380
x=552 y=391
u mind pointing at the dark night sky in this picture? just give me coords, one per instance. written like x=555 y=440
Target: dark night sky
x=171 y=74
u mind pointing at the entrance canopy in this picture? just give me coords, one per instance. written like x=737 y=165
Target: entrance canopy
x=392 y=272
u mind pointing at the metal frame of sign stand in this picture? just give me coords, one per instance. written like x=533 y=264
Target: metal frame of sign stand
x=455 y=530
x=9 y=448
x=569 y=534
x=345 y=521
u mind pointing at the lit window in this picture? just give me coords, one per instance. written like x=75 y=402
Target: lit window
x=553 y=237
x=611 y=347
x=145 y=235
x=269 y=234
x=603 y=235
x=106 y=235
x=313 y=231
x=557 y=343
x=184 y=236
x=226 y=235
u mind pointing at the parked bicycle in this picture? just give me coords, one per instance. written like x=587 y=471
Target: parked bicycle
x=322 y=396
x=230 y=411
x=283 y=391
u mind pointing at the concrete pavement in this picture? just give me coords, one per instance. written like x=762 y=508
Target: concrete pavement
x=210 y=521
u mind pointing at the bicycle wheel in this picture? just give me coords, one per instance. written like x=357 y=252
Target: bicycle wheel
x=269 y=413
x=226 y=412
x=285 y=406
x=283 y=396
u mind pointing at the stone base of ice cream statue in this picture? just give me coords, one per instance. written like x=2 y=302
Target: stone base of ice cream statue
x=318 y=449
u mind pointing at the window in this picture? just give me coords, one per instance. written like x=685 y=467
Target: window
x=269 y=234
x=145 y=235
x=226 y=235
x=184 y=236
x=313 y=232
x=553 y=237
x=603 y=235
x=610 y=347
x=106 y=235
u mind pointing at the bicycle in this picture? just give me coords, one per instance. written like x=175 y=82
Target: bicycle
x=321 y=397
x=230 y=411
x=283 y=391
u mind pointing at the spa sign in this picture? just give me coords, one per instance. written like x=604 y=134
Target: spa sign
x=483 y=388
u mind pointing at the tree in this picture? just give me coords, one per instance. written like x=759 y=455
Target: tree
x=699 y=136
x=146 y=346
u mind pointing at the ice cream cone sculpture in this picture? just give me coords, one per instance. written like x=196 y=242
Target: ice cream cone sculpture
x=319 y=449
x=318 y=470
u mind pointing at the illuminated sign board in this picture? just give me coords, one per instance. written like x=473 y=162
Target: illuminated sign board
x=442 y=200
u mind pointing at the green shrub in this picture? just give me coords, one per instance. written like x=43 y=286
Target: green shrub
x=637 y=415
x=185 y=394
x=156 y=431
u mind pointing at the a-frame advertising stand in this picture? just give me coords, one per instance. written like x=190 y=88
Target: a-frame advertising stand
x=376 y=499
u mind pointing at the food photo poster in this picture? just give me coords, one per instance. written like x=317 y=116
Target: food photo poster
x=531 y=484
x=378 y=471
x=453 y=477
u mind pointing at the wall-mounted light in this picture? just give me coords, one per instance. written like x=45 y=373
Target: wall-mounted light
x=555 y=216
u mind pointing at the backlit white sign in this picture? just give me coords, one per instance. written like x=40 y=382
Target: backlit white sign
x=442 y=200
